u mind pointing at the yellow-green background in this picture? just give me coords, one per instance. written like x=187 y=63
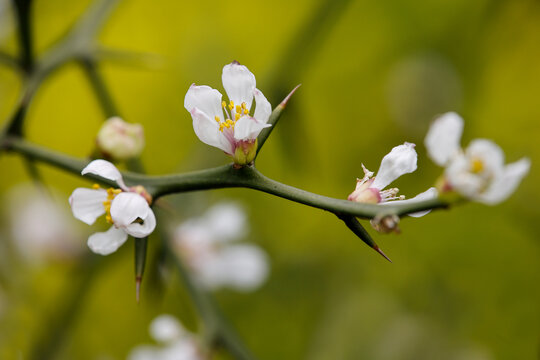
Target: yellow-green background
x=464 y=283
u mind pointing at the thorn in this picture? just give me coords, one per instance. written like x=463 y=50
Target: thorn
x=138 y=281
x=286 y=100
x=377 y=249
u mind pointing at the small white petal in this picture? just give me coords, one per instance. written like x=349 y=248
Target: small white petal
x=87 y=204
x=430 y=193
x=248 y=128
x=183 y=349
x=443 y=137
x=106 y=170
x=225 y=222
x=506 y=183
x=142 y=230
x=105 y=243
x=244 y=267
x=459 y=175
x=145 y=352
x=207 y=130
x=263 y=109
x=205 y=99
x=239 y=83
x=166 y=328
x=489 y=153
x=401 y=160
x=127 y=207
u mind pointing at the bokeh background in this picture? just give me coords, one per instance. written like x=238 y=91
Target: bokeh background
x=464 y=283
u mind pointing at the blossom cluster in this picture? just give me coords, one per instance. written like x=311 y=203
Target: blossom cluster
x=477 y=174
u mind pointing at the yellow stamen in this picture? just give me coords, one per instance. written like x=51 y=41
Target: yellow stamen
x=477 y=166
x=236 y=116
x=239 y=108
x=244 y=106
x=246 y=111
x=223 y=104
x=95 y=187
x=217 y=119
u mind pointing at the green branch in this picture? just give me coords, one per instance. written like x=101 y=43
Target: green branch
x=23 y=14
x=224 y=177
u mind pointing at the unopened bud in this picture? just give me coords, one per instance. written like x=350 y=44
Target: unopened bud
x=120 y=140
x=139 y=189
x=386 y=224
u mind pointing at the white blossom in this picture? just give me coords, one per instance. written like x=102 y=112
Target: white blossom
x=175 y=342
x=40 y=228
x=127 y=209
x=205 y=245
x=401 y=160
x=478 y=172
x=232 y=127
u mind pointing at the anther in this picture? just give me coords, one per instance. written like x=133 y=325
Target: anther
x=95 y=187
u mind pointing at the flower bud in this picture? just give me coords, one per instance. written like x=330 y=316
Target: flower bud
x=245 y=152
x=120 y=140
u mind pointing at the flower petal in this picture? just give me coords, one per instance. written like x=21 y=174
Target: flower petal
x=248 y=128
x=489 y=153
x=462 y=179
x=106 y=170
x=105 y=243
x=142 y=230
x=401 y=160
x=205 y=99
x=225 y=222
x=263 y=109
x=430 y=193
x=239 y=83
x=207 y=130
x=244 y=267
x=87 y=204
x=166 y=328
x=443 y=137
x=145 y=352
x=127 y=207
x=506 y=183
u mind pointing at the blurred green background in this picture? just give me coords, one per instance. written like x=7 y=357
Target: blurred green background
x=464 y=283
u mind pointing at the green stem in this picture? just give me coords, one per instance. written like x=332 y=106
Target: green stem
x=22 y=10
x=224 y=177
x=100 y=89
x=217 y=329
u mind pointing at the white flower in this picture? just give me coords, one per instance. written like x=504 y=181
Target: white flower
x=204 y=243
x=176 y=342
x=401 y=160
x=479 y=172
x=41 y=229
x=120 y=140
x=231 y=127
x=127 y=209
